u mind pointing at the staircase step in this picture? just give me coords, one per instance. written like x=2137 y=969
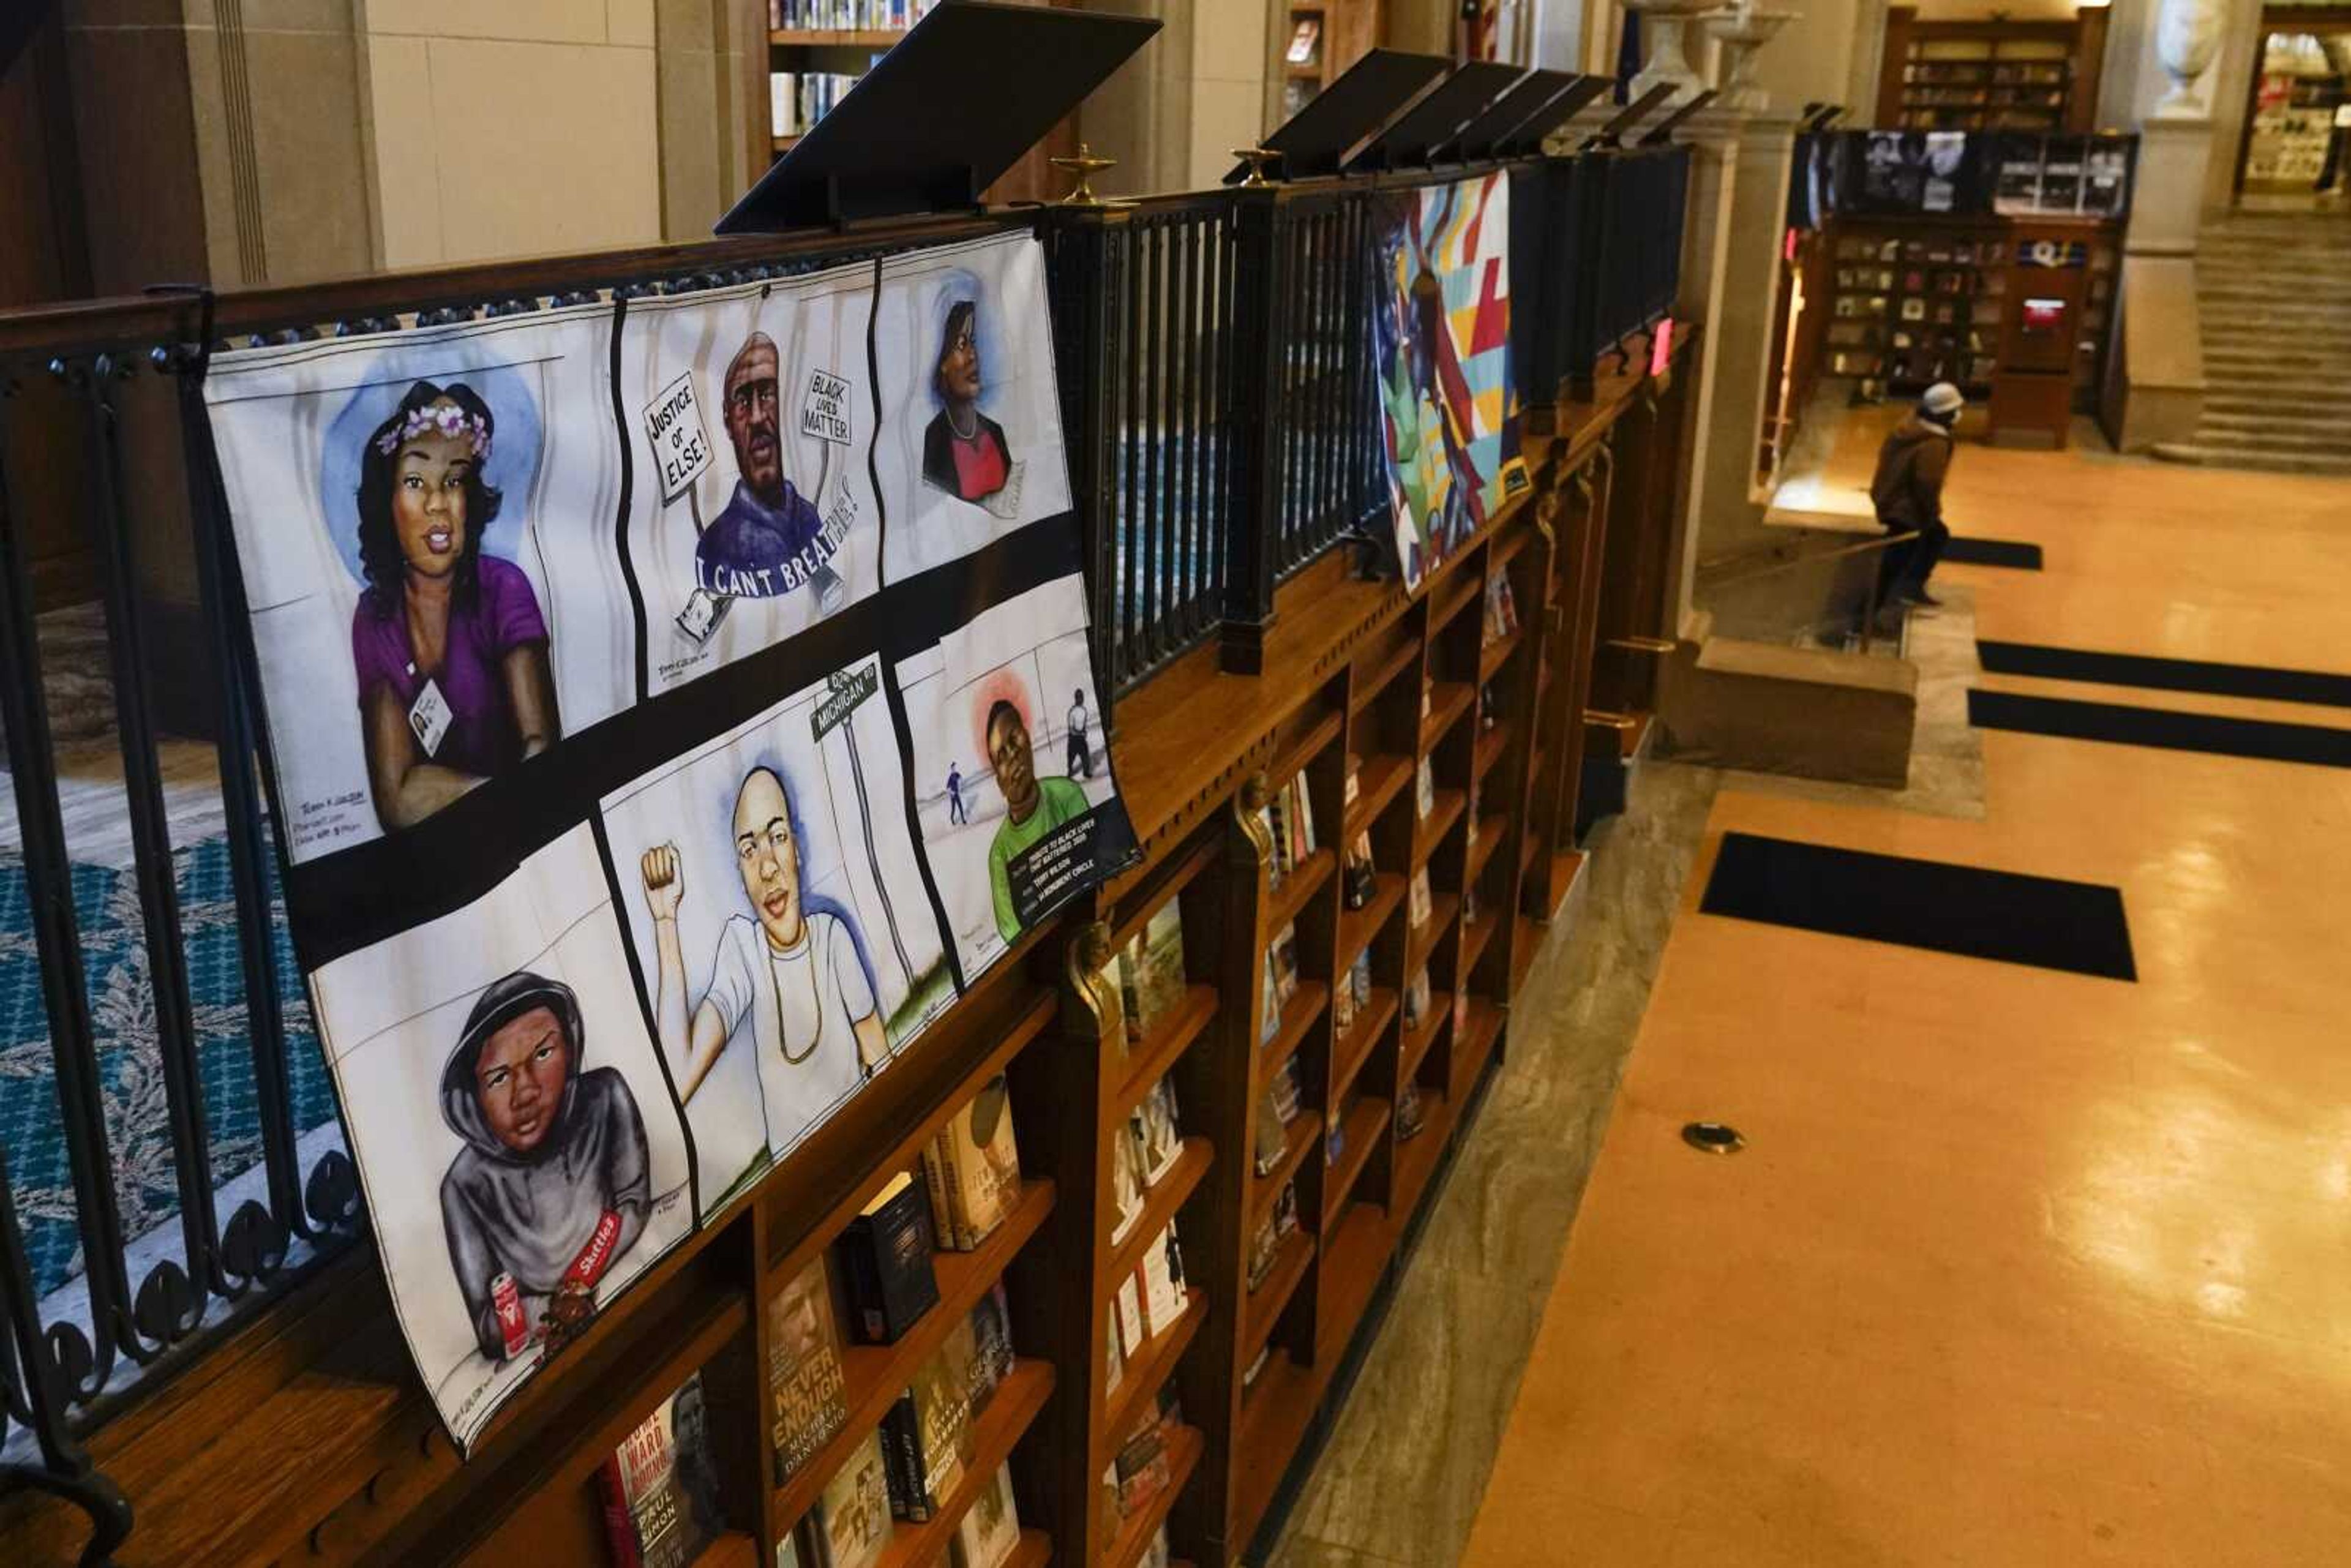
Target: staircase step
x=2215 y=457
x=2281 y=443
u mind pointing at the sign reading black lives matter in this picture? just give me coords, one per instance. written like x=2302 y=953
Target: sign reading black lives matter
x=593 y=646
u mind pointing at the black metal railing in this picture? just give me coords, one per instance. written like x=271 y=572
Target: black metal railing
x=1222 y=425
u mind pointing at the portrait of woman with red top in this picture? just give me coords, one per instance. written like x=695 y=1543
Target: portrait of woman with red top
x=963 y=451
x=448 y=643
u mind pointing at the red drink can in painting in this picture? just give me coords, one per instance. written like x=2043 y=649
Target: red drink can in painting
x=506 y=1299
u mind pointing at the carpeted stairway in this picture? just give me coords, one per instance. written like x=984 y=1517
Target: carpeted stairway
x=2274 y=292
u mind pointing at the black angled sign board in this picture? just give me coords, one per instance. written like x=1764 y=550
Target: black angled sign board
x=933 y=124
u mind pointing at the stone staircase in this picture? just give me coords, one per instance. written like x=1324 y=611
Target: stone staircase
x=2274 y=293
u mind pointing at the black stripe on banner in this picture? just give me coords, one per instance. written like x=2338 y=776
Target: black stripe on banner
x=2007 y=916
x=2165 y=675
x=1994 y=552
x=2166 y=728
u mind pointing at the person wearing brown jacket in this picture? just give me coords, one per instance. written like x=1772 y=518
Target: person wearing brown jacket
x=1908 y=491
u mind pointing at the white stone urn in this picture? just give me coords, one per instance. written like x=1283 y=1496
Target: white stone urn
x=1662 y=56
x=2187 y=36
x=1741 y=30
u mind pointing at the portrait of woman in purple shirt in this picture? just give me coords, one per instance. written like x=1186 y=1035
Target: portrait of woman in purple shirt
x=450 y=647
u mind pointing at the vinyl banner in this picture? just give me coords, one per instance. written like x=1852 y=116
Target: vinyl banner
x=670 y=707
x=1441 y=351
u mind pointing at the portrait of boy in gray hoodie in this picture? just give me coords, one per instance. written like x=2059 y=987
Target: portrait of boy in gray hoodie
x=553 y=1184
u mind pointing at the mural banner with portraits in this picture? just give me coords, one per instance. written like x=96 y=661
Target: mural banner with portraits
x=1441 y=351
x=778 y=918
x=754 y=516
x=516 y=1134
x=423 y=530
x=971 y=412
x=672 y=704
x=1013 y=779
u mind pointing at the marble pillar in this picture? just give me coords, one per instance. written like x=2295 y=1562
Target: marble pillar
x=1738 y=190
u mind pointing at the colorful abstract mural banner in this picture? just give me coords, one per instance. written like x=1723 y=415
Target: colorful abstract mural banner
x=594 y=646
x=1441 y=351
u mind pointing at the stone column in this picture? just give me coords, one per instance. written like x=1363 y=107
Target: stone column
x=1731 y=260
x=2158 y=395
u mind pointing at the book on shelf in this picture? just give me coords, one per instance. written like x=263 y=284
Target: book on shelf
x=886 y=1258
x=1334 y=1141
x=1255 y=1368
x=1361 y=877
x=991 y=1346
x=1127 y=1182
x=1359 y=979
x=928 y=1432
x=1138 y=1473
x=846 y=16
x=1501 y=610
x=1282 y=1091
x=1114 y=1351
x=805 y=1381
x=1283 y=957
x=1416 y=999
x=1285 y=1212
x=1302 y=40
x=660 y=1487
x=1265 y=1247
x=1151 y=971
x=1490 y=709
x=1155 y=1555
x=852 y=1515
x=989 y=1532
x=1128 y=1303
x=1419 y=901
x=1353 y=788
x=1408 y=1111
x=1343 y=1008
x=1158 y=1137
x=1161 y=1273
x=1268 y=1001
x=973 y=1168
x=1424 y=788
x=1269 y=1141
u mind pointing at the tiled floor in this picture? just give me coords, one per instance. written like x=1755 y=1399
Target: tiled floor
x=2020 y=1267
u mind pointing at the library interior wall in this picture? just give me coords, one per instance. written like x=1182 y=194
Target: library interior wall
x=494 y=130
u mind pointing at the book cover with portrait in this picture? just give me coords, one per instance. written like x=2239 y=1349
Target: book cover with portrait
x=1012 y=783
x=780 y=919
x=752 y=513
x=521 y=1151
x=423 y=525
x=970 y=444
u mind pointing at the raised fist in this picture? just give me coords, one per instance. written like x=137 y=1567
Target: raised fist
x=665 y=880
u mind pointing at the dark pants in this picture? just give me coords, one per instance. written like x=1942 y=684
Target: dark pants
x=1909 y=559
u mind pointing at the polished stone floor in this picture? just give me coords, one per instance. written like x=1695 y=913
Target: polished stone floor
x=2020 y=1267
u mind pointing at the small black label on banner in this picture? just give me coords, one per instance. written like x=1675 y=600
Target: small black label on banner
x=1079 y=853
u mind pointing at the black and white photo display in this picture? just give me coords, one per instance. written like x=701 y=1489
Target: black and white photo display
x=595 y=646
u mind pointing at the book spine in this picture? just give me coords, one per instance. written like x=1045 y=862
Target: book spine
x=861 y=1280
x=620 y=1525
x=952 y=1145
x=935 y=1177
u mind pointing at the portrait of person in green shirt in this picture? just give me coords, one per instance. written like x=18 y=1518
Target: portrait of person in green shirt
x=1033 y=807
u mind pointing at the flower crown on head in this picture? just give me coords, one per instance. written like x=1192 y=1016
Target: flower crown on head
x=439 y=417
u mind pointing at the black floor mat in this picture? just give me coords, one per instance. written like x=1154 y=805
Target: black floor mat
x=2165 y=675
x=2163 y=727
x=2077 y=927
x=1994 y=552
